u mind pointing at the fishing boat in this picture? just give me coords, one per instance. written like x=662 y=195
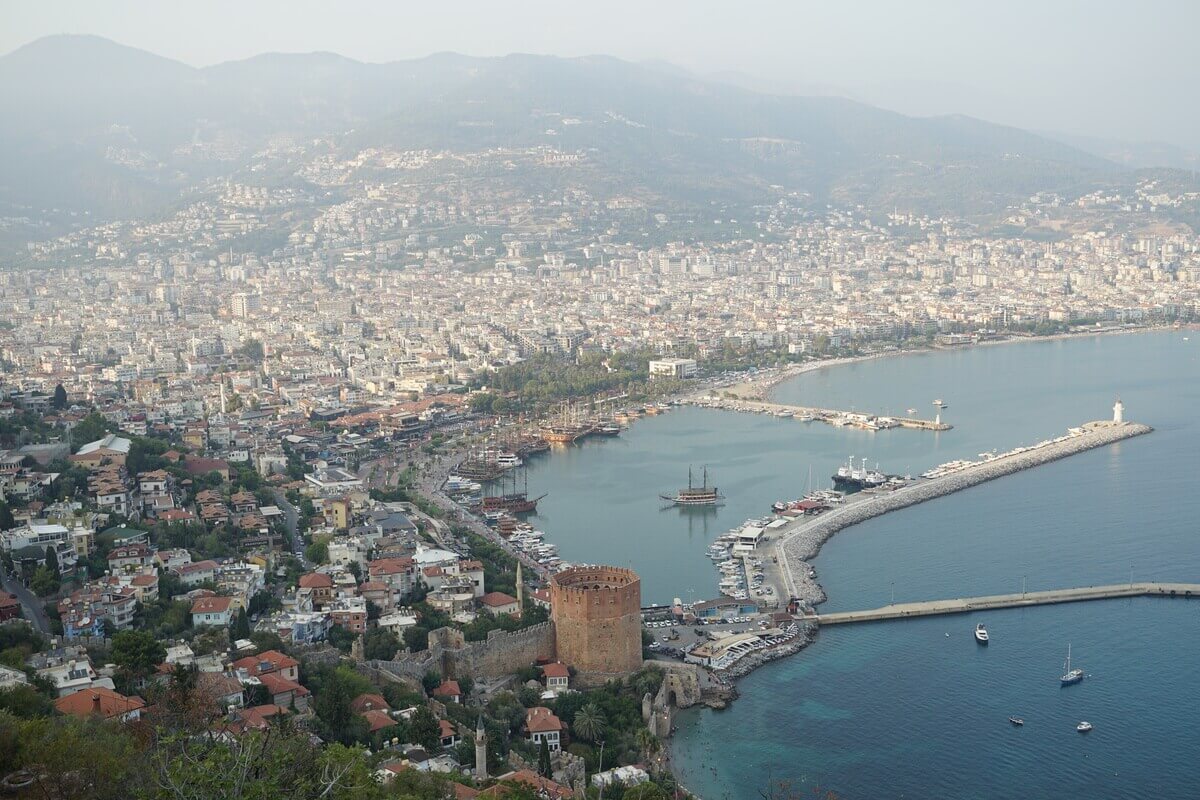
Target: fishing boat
x=702 y=495
x=981 y=634
x=1069 y=675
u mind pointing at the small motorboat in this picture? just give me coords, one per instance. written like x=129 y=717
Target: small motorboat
x=1016 y=721
x=981 y=634
x=1084 y=726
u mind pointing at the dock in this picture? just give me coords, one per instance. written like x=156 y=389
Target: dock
x=854 y=419
x=963 y=605
x=799 y=542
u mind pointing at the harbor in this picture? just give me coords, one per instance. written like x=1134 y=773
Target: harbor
x=795 y=544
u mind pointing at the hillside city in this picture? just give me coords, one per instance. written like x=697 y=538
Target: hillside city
x=227 y=437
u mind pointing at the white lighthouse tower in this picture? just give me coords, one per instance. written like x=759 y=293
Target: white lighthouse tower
x=1118 y=411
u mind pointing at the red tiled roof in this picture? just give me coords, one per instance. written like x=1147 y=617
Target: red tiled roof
x=377 y=720
x=211 y=605
x=98 y=700
x=540 y=719
x=316 y=580
x=497 y=599
x=369 y=702
x=556 y=670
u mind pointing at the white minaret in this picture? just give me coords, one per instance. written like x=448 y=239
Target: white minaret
x=1118 y=411
x=480 y=751
x=520 y=591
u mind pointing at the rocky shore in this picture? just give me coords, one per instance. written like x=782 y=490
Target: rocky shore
x=744 y=666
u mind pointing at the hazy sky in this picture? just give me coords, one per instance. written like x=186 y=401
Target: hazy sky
x=1114 y=68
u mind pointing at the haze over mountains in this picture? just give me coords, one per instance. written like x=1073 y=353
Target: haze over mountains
x=120 y=132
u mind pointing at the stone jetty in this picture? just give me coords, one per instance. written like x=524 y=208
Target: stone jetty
x=800 y=542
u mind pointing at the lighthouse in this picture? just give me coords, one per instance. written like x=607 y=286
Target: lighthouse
x=1118 y=412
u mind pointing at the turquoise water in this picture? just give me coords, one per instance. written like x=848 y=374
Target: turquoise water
x=900 y=709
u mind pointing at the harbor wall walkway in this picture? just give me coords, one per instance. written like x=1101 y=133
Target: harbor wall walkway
x=799 y=543
x=962 y=605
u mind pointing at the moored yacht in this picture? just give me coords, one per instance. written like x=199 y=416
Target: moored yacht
x=981 y=634
x=1069 y=675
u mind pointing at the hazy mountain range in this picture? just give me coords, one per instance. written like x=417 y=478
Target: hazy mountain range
x=119 y=132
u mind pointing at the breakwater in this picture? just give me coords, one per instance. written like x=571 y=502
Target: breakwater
x=799 y=543
x=962 y=605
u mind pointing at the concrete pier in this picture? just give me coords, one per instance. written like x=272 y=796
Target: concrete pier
x=833 y=416
x=963 y=605
x=795 y=544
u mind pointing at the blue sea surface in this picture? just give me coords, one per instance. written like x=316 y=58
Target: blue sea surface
x=900 y=709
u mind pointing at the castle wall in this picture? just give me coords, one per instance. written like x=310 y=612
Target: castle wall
x=450 y=656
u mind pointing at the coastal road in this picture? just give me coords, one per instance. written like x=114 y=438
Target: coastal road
x=32 y=608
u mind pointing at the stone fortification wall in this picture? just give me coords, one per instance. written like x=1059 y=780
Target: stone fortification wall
x=451 y=656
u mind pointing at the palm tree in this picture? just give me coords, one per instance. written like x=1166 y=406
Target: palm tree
x=589 y=722
x=647 y=742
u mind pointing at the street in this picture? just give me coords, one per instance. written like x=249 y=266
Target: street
x=33 y=608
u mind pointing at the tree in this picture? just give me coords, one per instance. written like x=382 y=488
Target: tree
x=60 y=397
x=544 y=767
x=137 y=653
x=317 y=552
x=6 y=517
x=77 y=759
x=341 y=638
x=23 y=700
x=52 y=562
x=424 y=729
x=43 y=583
x=380 y=644
x=589 y=723
x=338 y=721
x=252 y=349
x=241 y=625
x=92 y=427
x=430 y=681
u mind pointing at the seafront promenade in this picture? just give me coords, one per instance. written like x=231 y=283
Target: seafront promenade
x=962 y=605
x=797 y=543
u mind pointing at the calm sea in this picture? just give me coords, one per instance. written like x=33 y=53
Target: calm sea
x=901 y=709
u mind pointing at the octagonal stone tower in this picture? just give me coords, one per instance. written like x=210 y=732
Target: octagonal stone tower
x=598 y=619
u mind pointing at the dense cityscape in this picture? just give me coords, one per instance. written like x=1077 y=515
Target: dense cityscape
x=262 y=532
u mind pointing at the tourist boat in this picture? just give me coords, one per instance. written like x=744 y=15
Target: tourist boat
x=981 y=634
x=1070 y=675
x=1016 y=721
x=1083 y=727
x=702 y=495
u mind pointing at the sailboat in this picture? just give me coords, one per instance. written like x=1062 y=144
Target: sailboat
x=1069 y=675
x=702 y=495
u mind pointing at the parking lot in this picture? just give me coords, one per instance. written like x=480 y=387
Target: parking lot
x=675 y=639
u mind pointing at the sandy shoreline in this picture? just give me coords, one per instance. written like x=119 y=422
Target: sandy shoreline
x=761 y=386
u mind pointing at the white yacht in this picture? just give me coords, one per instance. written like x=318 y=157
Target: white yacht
x=981 y=634
x=1084 y=726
